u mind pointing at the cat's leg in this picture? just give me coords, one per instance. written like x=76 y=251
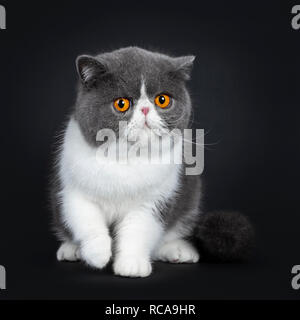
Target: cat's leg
x=68 y=251
x=136 y=237
x=87 y=223
x=175 y=249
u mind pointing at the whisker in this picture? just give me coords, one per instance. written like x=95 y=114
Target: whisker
x=191 y=141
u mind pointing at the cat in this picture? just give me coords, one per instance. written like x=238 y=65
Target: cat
x=138 y=212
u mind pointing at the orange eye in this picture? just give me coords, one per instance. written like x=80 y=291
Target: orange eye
x=162 y=100
x=122 y=104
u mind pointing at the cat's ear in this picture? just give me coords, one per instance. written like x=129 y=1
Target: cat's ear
x=89 y=69
x=184 y=66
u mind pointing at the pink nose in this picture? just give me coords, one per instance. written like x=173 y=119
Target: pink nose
x=145 y=110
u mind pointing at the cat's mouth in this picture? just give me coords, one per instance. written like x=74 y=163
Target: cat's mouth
x=148 y=129
x=146 y=125
x=149 y=126
x=144 y=129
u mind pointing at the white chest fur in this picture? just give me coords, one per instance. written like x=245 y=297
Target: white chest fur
x=116 y=187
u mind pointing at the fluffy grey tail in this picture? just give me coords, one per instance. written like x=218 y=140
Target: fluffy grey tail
x=225 y=236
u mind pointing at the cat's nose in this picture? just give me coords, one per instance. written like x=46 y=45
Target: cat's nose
x=145 y=110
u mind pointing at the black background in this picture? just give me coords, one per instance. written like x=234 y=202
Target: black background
x=245 y=90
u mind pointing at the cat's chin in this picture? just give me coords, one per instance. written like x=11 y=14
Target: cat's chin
x=143 y=137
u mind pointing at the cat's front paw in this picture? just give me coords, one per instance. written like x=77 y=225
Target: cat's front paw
x=131 y=266
x=96 y=252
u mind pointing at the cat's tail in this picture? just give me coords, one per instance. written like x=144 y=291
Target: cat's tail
x=225 y=236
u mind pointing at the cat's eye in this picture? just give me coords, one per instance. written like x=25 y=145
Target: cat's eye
x=162 y=100
x=122 y=104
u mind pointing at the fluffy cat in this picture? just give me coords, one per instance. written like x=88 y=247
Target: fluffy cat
x=138 y=212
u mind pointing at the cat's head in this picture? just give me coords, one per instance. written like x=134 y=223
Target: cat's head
x=144 y=88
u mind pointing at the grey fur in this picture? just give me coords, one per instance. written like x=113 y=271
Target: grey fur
x=120 y=74
x=57 y=224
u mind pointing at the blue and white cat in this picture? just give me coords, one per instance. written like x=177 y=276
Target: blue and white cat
x=137 y=212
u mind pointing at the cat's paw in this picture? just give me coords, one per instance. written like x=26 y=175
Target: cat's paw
x=96 y=252
x=131 y=266
x=68 y=251
x=177 y=251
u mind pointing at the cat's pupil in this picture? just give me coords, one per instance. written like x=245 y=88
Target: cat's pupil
x=121 y=103
x=162 y=99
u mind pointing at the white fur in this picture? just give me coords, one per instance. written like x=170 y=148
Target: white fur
x=96 y=194
x=139 y=126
